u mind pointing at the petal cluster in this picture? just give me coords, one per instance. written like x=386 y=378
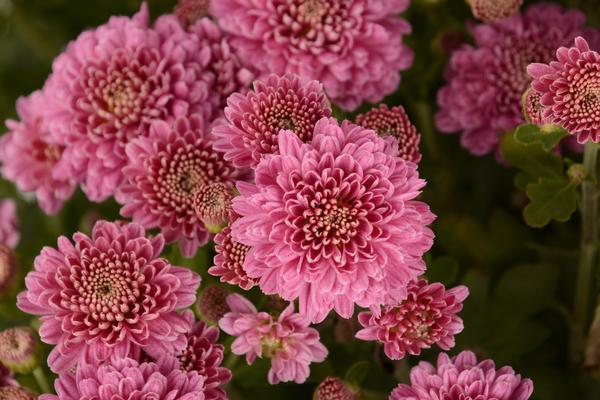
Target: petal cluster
x=482 y=98
x=254 y=120
x=334 y=223
x=165 y=170
x=289 y=341
x=570 y=90
x=333 y=388
x=29 y=159
x=394 y=122
x=110 y=84
x=353 y=46
x=462 y=378
x=126 y=378
x=108 y=294
x=494 y=10
x=426 y=317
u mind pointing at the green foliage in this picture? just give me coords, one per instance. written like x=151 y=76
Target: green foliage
x=552 y=194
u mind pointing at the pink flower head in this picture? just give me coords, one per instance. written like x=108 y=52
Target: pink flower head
x=461 y=378
x=125 y=378
x=108 y=295
x=482 y=98
x=9 y=224
x=494 y=10
x=230 y=75
x=353 y=46
x=212 y=203
x=394 y=122
x=29 y=160
x=254 y=120
x=15 y=393
x=230 y=259
x=427 y=316
x=289 y=341
x=533 y=110
x=164 y=172
x=190 y=11
x=570 y=88
x=204 y=356
x=333 y=388
x=112 y=82
x=334 y=223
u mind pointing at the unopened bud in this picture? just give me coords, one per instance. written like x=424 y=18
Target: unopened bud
x=333 y=388
x=18 y=349
x=213 y=206
x=212 y=305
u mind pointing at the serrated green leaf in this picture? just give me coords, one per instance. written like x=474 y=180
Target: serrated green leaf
x=550 y=199
x=357 y=372
x=531 y=158
x=548 y=136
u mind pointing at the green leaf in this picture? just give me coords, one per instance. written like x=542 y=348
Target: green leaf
x=548 y=136
x=357 y=372
x=532 y=158
x=550 y=199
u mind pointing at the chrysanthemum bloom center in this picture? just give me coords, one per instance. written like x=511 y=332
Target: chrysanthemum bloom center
x=313 y=23
x=586 y=97
x=122 y=93
x=272 y=344
x=416 y=320
x=188 y=359
x=46 y=152
x=213 y=205
x=332 y=219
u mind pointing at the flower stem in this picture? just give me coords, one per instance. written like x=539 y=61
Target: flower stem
x=41 y=380
x=588 y=250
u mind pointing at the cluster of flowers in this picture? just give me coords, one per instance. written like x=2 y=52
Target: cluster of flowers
x=306 y=207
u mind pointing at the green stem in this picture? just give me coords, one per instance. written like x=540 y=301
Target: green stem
x=424 y=115
x=588 y=250
x=41 y=380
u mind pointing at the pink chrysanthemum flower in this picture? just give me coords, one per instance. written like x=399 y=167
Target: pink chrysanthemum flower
x=426 y=317
x=108 y=294
x=15 y=393
x=342 y=228
x=212 y=203
x=289 y=341
x=333 y=388
x=353 y=46
x=112 y=82
x=533 y=110
x=494 y=10
x=254 y=120
x=125 y=378
x=394 y=122
x=230 y=75
x=9 y=224
x=486 y=82
x=190 y=11
x=28 y=159
x=461 y=378
x=164 y=172
x=204 y=356
x=18 y=349
x=570 y=88
x=230 y=259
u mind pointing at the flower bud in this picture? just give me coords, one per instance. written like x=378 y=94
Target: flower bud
x=494 y=10
x=333 y=388
x=213 y=206
x=576 y=173
x=15 y=393
x=212 y=305
x=18 y=349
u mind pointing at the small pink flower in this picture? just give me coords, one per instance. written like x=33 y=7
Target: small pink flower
x=333 y=388
x=204 y=356
x=164 y=172
x=9 y=224
x=109 y=85
x=125 y=378
x=108 y=295
x=427 y=316
x=353 y=46
x=486 y=82
x=254 y=120
x=569 y=87
x=533 y=109
x=461 y=378
x=212 y=203
x=334 y=223
x=15 y=393
x=494 y=10
x=29 y=160
x=230 y=259
x=289 y=341
x=394 y=122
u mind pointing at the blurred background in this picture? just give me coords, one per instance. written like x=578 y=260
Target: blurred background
x=521 y=279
